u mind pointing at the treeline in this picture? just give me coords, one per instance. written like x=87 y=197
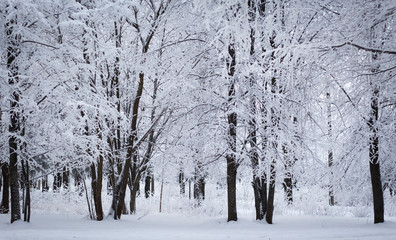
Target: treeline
x=302 y=92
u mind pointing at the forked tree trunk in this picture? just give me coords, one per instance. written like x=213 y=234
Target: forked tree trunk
x=275 y=118
x=119 y=196
x=252 y=126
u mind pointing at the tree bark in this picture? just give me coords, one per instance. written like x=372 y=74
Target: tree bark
x=260 y=200
x=122 y=182
x=199 y=184
x=65 y=178
x=44 y=184
x=275 y=117
x=14 y=127
x=26 y=205
x=375 y=173
x=330 y=152
x=271 y=193
x=5 y=201
x=232 y=165
x=96 y=184
x=147 y=185
x=288 y=177
x=182 y=182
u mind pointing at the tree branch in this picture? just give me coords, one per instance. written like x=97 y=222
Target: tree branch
x=374 y=50
x=39 y=43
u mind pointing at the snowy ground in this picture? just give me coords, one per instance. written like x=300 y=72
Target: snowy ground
x=64 y=216
x=169 y=226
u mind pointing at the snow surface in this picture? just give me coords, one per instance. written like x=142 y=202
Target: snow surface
x=172 y=226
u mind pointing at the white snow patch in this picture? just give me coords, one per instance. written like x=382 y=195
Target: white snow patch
x=173 y=226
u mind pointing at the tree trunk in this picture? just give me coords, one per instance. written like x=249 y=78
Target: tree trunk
x=375 y=173
x=288 y=178
x=152 y=184
x=14 y=127
x=231 y=189
x=5 y=201
x=232 y=165
x=44 y=184
x=57 y=182
x=271 y=193
x=189 y=188
x=26 y=205
x=199 y=184
x=134 y=193
x=275 y=118
x=330 y=152
x=97 y=179
x=14 y=181
x=147 y=185
x=182 y=182
x=288 y=187
x=65 y=178
x=119 y=197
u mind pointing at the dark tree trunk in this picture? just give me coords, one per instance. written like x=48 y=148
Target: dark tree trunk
x=271 y=193
x=182 y=182
x=152 y=184
x=149 y=181
x=65 y=177
x=26 y=205
x=259 y=177
x=44 y=184
x=373 y=124
x=275 y=118
x=134 y=193
x=288 y=178
x=252 y=136
x=261 y=180
x=97 y=179
x=232 y=165
x=138 y=169
x=14 y=181
x=78 y=182
x=13 y=51
x=231 y=189
x=189 y=188
x=121 y=186
x=57 y=182
x=147 y=185
x=5 y=201
x=258 y=183
x=375 y=173
x=260 y=196
x=199 y=184
x=288 y=187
